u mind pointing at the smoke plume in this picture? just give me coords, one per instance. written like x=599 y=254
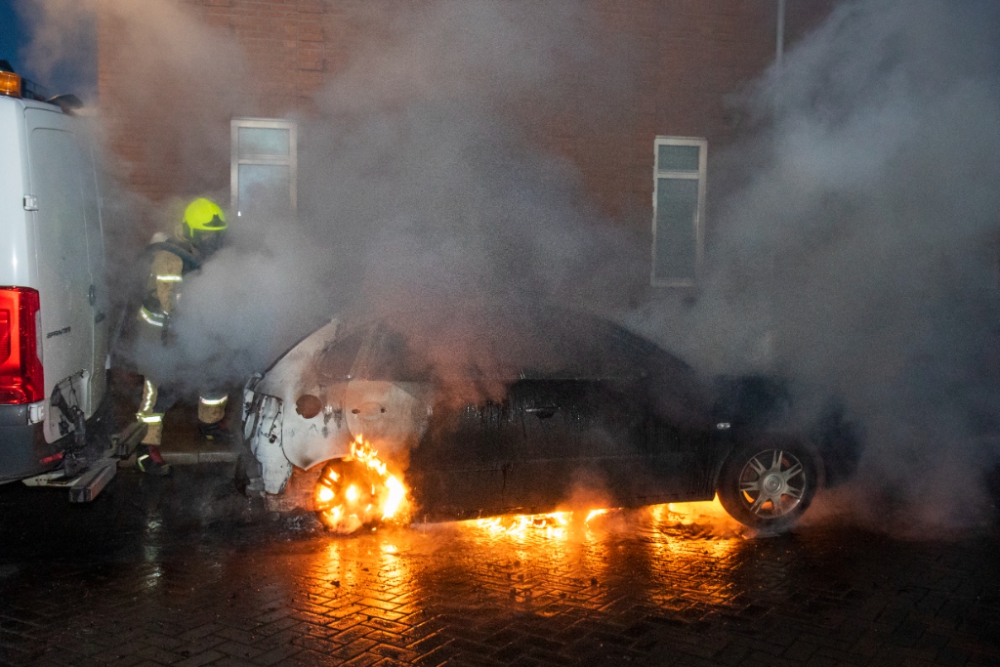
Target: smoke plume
x=416 y=185
x=851 y=240
x=859 y=251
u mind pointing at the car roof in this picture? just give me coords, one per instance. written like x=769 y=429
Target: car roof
x=502 y=343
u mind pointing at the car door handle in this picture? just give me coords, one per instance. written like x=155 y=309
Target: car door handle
x=543 y=411
x=99 y=317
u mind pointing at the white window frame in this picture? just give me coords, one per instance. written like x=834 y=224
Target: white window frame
x=699 y=216
x=290 y=160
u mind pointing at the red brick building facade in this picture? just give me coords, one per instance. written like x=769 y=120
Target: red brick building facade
x=680 y=60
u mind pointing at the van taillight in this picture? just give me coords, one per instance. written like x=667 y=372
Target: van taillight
x=21 y=379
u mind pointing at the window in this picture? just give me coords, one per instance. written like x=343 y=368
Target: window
x=264 y=166
x=678 y=210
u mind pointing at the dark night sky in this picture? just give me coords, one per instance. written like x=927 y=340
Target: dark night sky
x=79 y=76
x=11 y=34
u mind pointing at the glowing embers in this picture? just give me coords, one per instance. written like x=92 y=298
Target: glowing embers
x=702 y=511
x=359 y=491
x=555 y=525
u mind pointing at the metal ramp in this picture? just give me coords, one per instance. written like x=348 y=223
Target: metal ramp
x=86 y=485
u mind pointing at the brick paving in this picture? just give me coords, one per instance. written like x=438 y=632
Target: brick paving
x=185 y=572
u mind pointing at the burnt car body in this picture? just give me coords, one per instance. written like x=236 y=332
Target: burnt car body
x=531 y=411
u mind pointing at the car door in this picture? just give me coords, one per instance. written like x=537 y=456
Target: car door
x=554 y=451
x=612 y=420
x=459 y=469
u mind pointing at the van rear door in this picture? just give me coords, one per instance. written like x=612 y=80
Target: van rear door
x=64 y=274
x=99 y=301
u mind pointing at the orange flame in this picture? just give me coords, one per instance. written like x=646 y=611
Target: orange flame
x=553 y=526
x=705 y=518
x=703 y=512
x=359 y=490
x=708 y=516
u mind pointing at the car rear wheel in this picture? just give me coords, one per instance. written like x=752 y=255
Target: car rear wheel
x=768 y=484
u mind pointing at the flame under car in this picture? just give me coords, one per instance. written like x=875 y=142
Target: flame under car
x=532 y=412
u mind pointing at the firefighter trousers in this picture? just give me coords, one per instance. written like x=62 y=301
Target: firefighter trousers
x=211 y=409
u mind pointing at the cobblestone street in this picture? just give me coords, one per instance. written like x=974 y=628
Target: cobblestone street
x=184 y=571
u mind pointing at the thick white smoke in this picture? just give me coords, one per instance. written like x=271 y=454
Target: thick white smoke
x=416 y=186
x=851 y=239
x=861 y=250
x=418 y=191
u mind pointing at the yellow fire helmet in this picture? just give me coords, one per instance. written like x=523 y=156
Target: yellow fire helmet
x=204 y=224
x=204 y=215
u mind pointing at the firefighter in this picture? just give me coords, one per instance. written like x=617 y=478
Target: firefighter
x=198 y=236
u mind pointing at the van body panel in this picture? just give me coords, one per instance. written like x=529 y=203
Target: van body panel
x=15 y=267
x=58 y=250
x=65 y=281
x=99 y=301
x=22 y=445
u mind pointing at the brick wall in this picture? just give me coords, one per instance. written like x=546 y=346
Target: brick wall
x=172 y=128
x=680 y=59
x=687 y=58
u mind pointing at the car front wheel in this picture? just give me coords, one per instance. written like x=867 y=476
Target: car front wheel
x=768 y=485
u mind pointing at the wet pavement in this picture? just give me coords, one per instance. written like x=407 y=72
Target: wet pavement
x=185 y=571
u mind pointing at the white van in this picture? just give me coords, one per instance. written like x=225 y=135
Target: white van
x=53 y=317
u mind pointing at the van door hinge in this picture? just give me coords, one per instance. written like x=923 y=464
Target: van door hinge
x=30 y=203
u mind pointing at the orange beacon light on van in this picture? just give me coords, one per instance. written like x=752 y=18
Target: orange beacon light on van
x=10 y=84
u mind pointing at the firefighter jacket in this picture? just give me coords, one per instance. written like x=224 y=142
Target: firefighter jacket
x=170 y=261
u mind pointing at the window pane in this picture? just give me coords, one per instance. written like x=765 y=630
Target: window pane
x=676 y=242
x=678 y=158
x=263 y=141
x=264 y=189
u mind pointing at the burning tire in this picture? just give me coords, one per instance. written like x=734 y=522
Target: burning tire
x=345 y=496
x=768 y=485
x=359 y=491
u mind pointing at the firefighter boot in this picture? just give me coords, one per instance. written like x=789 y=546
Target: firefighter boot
x=216 y=431
x=149 y=461
x=211 y=416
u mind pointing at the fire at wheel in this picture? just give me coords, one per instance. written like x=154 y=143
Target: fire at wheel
x=359 y=491
x=769 y=485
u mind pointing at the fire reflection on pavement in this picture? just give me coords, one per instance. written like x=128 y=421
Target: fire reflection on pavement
x=654 y=586
x=672 y=556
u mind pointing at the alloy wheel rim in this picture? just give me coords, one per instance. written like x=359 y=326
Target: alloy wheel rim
x=773 y=483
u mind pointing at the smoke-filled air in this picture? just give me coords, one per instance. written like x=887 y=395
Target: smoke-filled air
x=860 y=250
x=851 y=235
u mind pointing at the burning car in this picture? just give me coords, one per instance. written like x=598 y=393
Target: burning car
x=527 y=412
